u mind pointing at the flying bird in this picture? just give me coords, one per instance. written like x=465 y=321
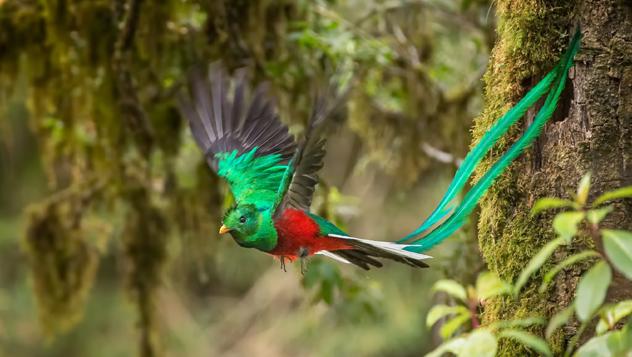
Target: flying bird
x=272 y=176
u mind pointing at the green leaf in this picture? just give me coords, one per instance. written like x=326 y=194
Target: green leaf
x=614 y=343
x=547 y=203
x=612 y=314
x=596 y=215
x=595 y=347
x=558 y=320
x=480 y=343
x=452 y=288
x=527 y=339
x=622 y=192
x=583 y=189
x=565 y=224
x=489 y=284
x=439 y=311
x=618 y=246
x=548 y=277
x=454 y=345
x=536 y=262
x=591 y=290
x=448 y=329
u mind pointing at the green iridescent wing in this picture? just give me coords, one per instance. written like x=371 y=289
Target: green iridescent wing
x=243 y=140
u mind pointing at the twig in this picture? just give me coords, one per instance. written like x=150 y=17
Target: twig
x=440 y=155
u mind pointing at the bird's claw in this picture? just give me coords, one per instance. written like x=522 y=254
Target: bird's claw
x=303 y=266
x=283 y=263
x=303 y=253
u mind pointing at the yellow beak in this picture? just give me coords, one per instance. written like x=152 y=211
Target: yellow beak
x=223 y=229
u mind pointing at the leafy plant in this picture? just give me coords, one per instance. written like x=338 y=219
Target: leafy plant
x=611 y=336
x=482 y=341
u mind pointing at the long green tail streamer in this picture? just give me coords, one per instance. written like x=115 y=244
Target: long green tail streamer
x=553 y=83
x=481 y=149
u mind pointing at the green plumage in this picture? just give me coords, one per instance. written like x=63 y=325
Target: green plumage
x=326 y=227
x=253 y=179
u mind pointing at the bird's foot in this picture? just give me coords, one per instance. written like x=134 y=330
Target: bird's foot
x=302 y=254
x=282 y=259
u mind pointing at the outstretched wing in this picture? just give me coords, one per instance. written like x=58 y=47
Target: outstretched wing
x=299 y=181
x=243 y=141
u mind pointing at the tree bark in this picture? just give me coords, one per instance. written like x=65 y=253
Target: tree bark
x=591 y=131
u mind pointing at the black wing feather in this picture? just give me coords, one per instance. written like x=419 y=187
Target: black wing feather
x=308 y=157
x=220 y=124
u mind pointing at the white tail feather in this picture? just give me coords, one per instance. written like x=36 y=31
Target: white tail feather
x=389 y=246
x=334 y=257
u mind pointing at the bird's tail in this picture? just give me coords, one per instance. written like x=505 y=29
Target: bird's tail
x=364 y=253
x=421 y=239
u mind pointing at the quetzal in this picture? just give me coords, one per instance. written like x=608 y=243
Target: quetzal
x=272 y=177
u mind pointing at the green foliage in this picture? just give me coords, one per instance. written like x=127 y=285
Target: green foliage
x=591 y=290
x=611 y=315
x=589 y=296
x=488 y=285
x=480 y=342
x=582 y=190
x=348 y=297
x=547 y=203
x=528 y=340
x=596 y=215
x=438 y=312
x=559 y=319
x=537 y=262
x=565 y=224
x=618 y=246
x=615 y=343
x=623 y=192
x=452 y=288
x=573 y=259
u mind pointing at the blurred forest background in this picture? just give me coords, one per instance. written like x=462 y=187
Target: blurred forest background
x=109 y=214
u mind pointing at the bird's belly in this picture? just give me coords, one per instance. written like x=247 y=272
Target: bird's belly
x=299 y=235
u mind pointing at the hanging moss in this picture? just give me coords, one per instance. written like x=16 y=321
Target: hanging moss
x=63 y=264
x=144 y=238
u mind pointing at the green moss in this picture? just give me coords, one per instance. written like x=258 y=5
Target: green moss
x=530 y=39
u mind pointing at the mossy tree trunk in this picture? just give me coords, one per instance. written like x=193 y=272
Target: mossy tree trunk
x=590 y=131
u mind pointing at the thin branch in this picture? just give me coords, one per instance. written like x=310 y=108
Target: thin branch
x=440 y=155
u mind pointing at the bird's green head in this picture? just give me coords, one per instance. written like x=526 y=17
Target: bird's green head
x=249 y=227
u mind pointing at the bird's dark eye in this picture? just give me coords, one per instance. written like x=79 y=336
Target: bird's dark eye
x=242 y=219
